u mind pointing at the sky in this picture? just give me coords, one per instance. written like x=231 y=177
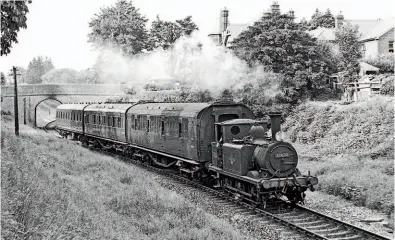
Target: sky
x=59 y=28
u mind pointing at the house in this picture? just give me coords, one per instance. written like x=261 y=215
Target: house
x=226 y=32
x=377 y=36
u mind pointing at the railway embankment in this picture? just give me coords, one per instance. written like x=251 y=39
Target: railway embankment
x=53 y=188
x=350 y=147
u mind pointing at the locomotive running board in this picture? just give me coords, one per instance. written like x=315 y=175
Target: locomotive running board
x=148 y=149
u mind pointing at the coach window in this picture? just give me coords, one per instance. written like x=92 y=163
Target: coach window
x=179 y=129
x=94 y=119
x=135 y=123
x=109 y=119
x=148 y=125
x=162 y=128
x=185 y=127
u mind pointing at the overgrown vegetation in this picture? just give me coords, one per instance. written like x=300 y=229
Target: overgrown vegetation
x=55 y=189
x=349 y=147
x=388 y=87
x=386 y=62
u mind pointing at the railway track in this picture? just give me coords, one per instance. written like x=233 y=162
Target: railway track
x=298 y=219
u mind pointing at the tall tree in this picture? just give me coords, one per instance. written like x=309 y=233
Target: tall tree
x=3 y=79
x=326 y=20
x=121 y=26
x=13 y=17
x=165 y=33
x=187 y=25
x=280 y=44
x=37 y=68
x=48 y=65
x=349 y=49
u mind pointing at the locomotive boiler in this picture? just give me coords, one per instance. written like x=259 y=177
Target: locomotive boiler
x=217 y=143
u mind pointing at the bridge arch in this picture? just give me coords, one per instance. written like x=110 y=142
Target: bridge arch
x=38 y=103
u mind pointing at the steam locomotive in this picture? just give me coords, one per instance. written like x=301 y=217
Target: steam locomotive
x=217 y=143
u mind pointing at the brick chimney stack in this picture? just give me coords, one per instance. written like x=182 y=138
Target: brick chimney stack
x=275 y=7
x=223 y=20
x=339 y=20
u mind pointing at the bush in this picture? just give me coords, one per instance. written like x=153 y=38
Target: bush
x=388 y=87
x=386 y=63
x=350 y=148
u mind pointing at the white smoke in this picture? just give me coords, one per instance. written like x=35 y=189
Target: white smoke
x=195 y=61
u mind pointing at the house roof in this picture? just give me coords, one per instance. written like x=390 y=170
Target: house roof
x=381 y=27
x=369 y=29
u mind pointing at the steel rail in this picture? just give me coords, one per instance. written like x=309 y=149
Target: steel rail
x=357 y=229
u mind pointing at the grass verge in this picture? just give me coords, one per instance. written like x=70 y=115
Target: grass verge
x=55 y=189
x=349 y=147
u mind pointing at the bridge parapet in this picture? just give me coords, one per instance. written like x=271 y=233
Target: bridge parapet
x=63 y=89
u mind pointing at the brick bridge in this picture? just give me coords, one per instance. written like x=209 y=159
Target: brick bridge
x=30 y=96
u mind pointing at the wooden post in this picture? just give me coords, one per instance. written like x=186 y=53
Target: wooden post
x=24 y=111
x=16 y=103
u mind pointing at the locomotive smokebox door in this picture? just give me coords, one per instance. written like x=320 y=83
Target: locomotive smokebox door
x=237 y=158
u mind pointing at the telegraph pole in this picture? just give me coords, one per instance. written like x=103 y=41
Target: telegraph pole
x=16 y=103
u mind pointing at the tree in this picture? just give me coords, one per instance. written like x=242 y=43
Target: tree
x=37 y=68
x=164 y=33
x=349 y=49
x=187 y=25
x=326 y=20
x=3 y=79
x=13 y=17
x=121 y=26
x=48 y=65
x=61 y=76
x=280 y=44
x=89 y=76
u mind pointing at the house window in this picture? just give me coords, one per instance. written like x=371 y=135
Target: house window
x=391 y=47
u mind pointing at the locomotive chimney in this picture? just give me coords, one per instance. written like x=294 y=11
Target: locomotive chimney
x=275 y=118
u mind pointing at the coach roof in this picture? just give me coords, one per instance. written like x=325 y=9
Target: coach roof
x=72 y=106
x=109 y=107
x=169 y=109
